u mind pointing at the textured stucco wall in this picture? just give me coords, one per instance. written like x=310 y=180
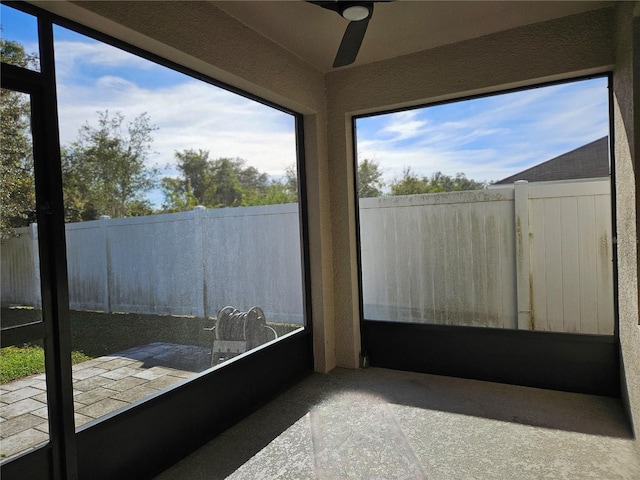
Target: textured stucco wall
x=569 y=46
x=561 y=48
x=320 y=242
x=626 y=99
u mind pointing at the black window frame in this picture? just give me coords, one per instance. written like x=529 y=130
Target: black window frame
x=561 y=361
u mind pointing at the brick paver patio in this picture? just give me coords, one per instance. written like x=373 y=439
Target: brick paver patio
x=100 y=386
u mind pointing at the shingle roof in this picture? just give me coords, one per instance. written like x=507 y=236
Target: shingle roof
x=589 y=161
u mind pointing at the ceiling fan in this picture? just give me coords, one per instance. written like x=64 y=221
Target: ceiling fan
x=358 y=14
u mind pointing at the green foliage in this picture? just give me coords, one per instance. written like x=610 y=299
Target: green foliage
x=177 y=198
x=227 y=175
x=18 y=362
x=278 y=191
x=197 y=182
x=285 y=190
x=223 y=182
x=369 y=180
x=411 y=184
x=17 y=191
x=105 y=170
x=13 y=53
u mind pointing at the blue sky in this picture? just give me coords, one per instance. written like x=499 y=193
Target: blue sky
x=93 y=77
x=487 y=138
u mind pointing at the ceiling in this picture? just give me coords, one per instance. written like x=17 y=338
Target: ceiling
x=396 y=28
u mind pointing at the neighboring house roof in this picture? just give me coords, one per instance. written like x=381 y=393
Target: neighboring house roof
x=589 y=161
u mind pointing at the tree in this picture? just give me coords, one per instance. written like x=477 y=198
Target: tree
x=280 y=191
x=369 y=179
x=198 y=178
x=290 y=184
x=458 y=183
x=226 y=174
x=411 y=184
x=105 y=170
x=17 y=190
x=193 y=186
x=223 y=182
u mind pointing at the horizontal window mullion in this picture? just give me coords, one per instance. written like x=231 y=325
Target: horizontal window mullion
x=22 y=334
x=20 y=79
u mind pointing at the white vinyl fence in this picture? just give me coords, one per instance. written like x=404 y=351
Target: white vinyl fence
x=568 y=286
x=190 y=263
x=440 y=258
x=19 y=270
x=532 y=256
x=535 y=256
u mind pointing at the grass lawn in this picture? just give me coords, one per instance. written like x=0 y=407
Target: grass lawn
x=18 y=362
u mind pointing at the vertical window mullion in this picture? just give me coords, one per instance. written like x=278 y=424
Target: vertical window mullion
x=55 y=300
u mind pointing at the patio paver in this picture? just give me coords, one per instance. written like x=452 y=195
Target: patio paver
x=101 y=386
x=22 y=441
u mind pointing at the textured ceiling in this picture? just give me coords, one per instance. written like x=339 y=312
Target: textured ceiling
x=396 y=28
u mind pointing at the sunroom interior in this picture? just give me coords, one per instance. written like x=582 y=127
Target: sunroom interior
x=281 y=53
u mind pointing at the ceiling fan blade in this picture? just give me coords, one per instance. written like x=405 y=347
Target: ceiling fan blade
x=351 y=41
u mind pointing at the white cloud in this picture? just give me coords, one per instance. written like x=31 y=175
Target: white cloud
x=488 y=138
x=188 y=113
x=72 y=54
x=403 y=125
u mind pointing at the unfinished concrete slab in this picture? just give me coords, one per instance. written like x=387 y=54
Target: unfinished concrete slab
x=376 y=423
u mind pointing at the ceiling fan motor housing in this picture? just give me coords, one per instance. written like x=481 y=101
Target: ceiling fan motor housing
x=355 y=12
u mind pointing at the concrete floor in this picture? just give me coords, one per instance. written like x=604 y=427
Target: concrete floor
x=383 y=424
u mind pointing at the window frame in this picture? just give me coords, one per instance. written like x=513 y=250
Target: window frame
x=588 y=363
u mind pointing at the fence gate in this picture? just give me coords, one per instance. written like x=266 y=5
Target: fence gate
x=565 y=283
